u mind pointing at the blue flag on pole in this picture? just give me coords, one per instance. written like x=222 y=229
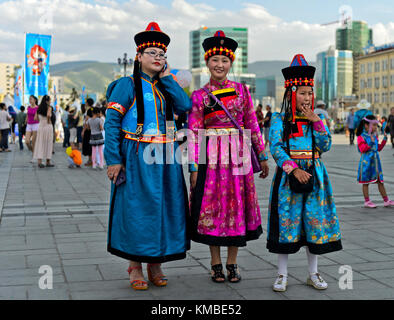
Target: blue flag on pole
x=37 y=54
x=18 y=89
x=83 y=94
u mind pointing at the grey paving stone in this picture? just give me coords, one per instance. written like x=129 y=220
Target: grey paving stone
x=12 y=262
x=82 y=273
x=13 y=293
x=52 y=260
x=58 y=292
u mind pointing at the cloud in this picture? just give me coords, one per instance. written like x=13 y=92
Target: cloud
x=104 y=30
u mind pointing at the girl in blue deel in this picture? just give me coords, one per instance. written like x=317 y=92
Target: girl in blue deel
x=370 y=167
x=297 y=136
x=148 y=212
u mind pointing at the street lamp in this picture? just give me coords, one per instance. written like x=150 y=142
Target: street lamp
x=125 y=63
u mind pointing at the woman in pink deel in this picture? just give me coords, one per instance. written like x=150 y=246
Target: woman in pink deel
x=32 y=124
x=224 y=206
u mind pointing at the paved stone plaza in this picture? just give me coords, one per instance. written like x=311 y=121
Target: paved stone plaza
x=59 y=217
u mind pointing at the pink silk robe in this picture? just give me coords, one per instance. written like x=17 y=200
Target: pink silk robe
x=224 y=205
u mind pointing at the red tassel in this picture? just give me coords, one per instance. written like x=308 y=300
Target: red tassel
x=293 y=102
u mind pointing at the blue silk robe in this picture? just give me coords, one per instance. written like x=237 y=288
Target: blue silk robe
x=295 y=219
x=149 y=212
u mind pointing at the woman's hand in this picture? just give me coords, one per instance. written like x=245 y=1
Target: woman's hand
x=193 y=179
x=265 y=169
x=309 y=114
x=165 y=72
x=301 y=175
x=113 y=171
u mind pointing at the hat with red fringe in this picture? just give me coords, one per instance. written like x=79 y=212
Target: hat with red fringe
x=152 y=37
x=219 y=44
x=299 y=73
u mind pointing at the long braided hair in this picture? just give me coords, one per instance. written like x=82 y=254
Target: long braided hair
x=286 y=108
x=140 y=97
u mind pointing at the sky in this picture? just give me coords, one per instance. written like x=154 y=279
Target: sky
x=103 y=30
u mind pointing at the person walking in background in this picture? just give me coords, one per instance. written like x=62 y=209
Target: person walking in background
x=267 y=124
x=383 y=123
x=370 y=167
x=86 y=146
x=32 y=124
x=21 y=118
x=79 y=115
x=5 y=118
x=12 y=113
x=96 y=126
x=350 y=126
x=44 y=144
x=390 y=126
x=260 y=118
x=73 y=119
x=66 y=130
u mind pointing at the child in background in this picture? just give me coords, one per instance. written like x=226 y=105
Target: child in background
x=74 y=157
x=96 y=126
x=370 y=167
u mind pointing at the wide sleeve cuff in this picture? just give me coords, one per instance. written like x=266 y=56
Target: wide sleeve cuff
x=289 y=166
x=319 y=126
x=263 y=156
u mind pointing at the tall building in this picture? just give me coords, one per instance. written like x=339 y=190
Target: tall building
x=239 y=70
x=334 y=75
x=354 y=38
x=376 y=74
x=7 y=78
x=345 y=73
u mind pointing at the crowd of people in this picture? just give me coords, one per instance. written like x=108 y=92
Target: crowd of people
x=41 y=125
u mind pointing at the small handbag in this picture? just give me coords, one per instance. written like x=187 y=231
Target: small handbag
x=254 y=159
x=295 y=185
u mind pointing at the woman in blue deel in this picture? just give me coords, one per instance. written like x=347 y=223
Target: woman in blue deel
x=149 y=211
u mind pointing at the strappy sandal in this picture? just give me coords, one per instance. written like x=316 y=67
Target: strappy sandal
x=158 y=280
x=217 y=270
x=233 y=273
x=137 y=284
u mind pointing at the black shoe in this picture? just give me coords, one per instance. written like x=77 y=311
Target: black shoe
x=233 y=274
x=217 y=270
x=50 y=165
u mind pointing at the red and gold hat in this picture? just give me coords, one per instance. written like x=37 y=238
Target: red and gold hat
x=219 y=44
x=152 y=37
x=299 y=73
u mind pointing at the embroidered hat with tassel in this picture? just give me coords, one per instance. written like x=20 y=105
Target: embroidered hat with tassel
x=299 y=73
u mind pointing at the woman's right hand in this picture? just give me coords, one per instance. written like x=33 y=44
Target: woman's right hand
x=193 y=179
x=113 y=171
x=301 y=175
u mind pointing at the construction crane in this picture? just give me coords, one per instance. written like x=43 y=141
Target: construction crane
x=345 y=20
